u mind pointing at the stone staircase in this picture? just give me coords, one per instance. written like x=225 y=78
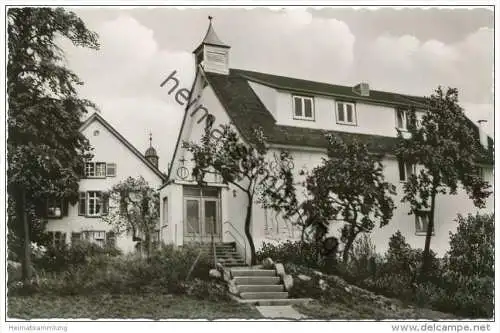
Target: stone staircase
x=251 y=284
x=259 y=286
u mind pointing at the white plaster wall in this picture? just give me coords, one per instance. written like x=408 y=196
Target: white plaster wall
x=447 y=208
x=370 y=118
x=107 y=148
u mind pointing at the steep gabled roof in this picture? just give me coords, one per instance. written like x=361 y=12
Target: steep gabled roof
x=97 y=117
x=247 y=112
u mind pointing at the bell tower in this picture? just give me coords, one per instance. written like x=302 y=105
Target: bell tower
x=212 y=54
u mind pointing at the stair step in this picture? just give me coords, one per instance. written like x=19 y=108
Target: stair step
x=261 y=287
x=253 y=272
x=284 y=301
x=264 y=295
x=267 y=280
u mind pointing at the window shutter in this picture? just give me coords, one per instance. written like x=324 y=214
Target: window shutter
x=105 y=204
x=111 y=170
x=64 y=207
x=402 y=170
x=82 y=203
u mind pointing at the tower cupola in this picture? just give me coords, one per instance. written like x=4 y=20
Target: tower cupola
x=151 y=154
x=212 y=54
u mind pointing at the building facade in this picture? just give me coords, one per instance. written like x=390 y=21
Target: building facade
x=115 y=159
x=294 y=115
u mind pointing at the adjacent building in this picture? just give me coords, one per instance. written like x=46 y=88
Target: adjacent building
x=114 y=160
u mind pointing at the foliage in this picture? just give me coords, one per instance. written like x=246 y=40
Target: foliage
x=298 y=253
x=444 y=147
x=207 y=290
x=61 y=258
x=241 y=164
x=364 y=260
x=45 y=149
x=348 y=187
x=135 y=208
x=472 y=246
x=97 y=272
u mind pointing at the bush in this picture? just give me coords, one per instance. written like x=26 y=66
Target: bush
x=165 y=271
x=207 y=290
x=299 y=253
x=56 y=259
x=363 y=261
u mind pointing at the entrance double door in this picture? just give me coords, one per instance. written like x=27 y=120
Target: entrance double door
x=202 y=221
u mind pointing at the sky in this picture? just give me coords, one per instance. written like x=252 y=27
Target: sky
x=408 y=50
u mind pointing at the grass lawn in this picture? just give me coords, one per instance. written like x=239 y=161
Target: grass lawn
x=148 y=306
x=333 y=311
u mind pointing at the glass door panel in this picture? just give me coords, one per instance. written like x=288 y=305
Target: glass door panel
x=210 y=217
x=192 y=216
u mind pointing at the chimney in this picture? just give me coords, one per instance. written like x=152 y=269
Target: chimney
x=483 y=137
x=362 y=89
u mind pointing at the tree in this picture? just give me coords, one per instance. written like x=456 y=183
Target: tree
x=348 y=186
x=45 y=150
x=134 y=207
x=444 y=148
x=239 y=163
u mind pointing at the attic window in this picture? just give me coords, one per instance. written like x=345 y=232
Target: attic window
x=303 y=108
x=346 y=113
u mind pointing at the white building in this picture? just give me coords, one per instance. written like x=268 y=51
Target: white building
x=115 y=159
x=294 y=115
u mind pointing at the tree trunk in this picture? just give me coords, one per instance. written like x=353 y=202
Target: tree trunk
x=428 y=236
x=22 y=217
x=248 y=221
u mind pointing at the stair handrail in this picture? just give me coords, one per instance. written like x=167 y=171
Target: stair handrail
x=235 y=239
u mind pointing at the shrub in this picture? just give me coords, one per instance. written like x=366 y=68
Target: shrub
x=165 y=271
x=60 y=258
x=207 y=290
x=468 y=271
x=364 y=260
x=299 y=253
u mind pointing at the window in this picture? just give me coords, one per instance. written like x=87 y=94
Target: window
x=111 y=238
x=97 y=237
x=422 y=222
x=111 y=170
x=93 y=203
x=405 y=170
x=303 y=108
x=75 y=237
x=54 y=208
x=402 y=119
x=95 y=169
x=58 y=238
x=346 y=113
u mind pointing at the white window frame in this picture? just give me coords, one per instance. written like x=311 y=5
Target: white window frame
x=344 y=112
x=92 y=167
x=97 y=199
x=404 y=120
x=303 y=99
x=418 y=219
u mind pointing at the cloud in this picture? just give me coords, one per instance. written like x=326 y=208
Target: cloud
x=407 y=64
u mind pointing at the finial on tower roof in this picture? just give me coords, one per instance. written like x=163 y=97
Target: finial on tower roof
x=150 y=139
x=210 y=18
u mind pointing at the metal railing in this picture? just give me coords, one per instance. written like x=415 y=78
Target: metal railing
x=236 y=239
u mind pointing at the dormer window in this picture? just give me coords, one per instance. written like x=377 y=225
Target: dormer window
x=346 y=113
x=303 y=108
